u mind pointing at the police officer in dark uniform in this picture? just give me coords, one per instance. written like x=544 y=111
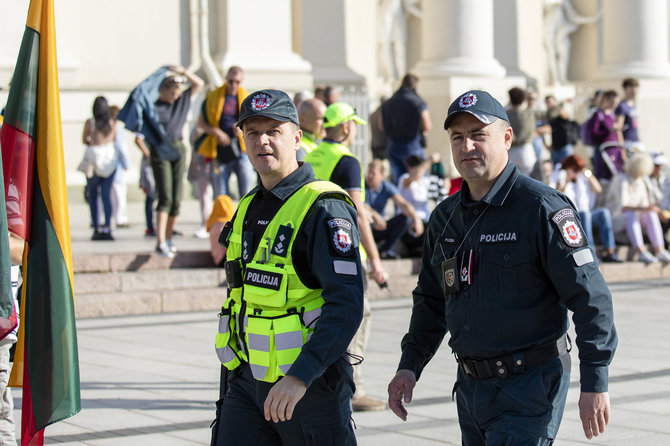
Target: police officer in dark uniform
x=504 y=261
x=300 y=277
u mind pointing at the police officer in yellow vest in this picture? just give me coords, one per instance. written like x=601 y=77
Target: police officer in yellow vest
x=332 y=160
x=295 y=294
x=311 y=113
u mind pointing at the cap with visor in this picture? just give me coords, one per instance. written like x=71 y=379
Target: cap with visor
x=479 y=104
x=273 y=104
x=340 y=112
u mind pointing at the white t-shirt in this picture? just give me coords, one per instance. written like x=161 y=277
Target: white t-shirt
x=416 y=194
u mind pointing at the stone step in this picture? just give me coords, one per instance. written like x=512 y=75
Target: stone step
x=148 y=302
x=147 y=281
x=147 y=290
x=145 y=261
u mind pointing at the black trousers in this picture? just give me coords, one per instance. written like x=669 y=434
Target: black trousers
x=322 y=417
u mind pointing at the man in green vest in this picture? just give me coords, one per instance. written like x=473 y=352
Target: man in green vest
x=295 y=294
x=332 y=160
x=311 y=113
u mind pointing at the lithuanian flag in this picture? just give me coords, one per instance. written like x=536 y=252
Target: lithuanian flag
x=46 y=363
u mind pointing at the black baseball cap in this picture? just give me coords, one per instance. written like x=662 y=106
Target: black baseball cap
x=479 y=104
x=273 y=104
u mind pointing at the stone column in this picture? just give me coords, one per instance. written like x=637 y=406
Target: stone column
x=258 y=37
x=458 y=39
x=634 y=39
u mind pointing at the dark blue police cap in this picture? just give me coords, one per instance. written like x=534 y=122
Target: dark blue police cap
x=273 y=104
x=479 y=104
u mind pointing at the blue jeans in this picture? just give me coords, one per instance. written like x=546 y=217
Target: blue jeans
x=524 y=409
x=246 y=176
x=558 y=155
x=398 y=151
x=105 y=186
x=602 y=219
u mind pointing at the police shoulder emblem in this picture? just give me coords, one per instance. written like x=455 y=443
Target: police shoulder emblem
x=260 y=101
x=341 y=236
x=566 y=223
x=467 y=100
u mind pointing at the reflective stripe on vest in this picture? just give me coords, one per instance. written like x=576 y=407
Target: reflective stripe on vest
x=274 y=333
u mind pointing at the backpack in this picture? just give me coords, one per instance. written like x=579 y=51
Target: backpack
x=587 y=138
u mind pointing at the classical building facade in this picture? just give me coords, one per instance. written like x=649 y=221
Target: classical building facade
x=567 y=48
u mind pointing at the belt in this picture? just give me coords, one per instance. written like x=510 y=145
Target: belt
x=515 y=362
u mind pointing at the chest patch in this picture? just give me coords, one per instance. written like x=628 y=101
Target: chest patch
x=341 y=239
x=263 y=279
x=282 y=240
x=567 y=225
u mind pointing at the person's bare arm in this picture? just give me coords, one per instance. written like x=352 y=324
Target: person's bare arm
x=221 y=137
x=86 y=136
x=408 y=211
x=426 y=123
x=139 y=142
x=378 y=222
x=16 y=245
x=196 y=82
x=377 y=272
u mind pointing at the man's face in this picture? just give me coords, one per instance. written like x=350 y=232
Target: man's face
x=170 y=93
x=479 y=150
x=374 y=177
x=313 y=120
x=271 y=147
x=233 y=82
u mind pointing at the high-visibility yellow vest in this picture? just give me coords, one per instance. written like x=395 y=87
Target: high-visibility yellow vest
x=308 y=142
x=266 y=321
x=324 y=159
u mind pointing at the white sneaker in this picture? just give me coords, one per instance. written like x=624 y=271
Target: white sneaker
x=171 y=246
x=201 y=233
x=646 y=257
x=663 y=256
x=164 y=251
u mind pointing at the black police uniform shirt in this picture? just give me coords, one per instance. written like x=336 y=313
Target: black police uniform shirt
x=524 y=262
x=318 y=261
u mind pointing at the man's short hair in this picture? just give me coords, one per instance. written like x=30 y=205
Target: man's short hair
x=630 y=82
x=516 y=96
x=171 y=81
x=378 y=164
x=232 y=71
x=414 y=160
x=410 y=81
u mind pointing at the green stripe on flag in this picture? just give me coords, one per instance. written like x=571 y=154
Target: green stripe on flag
x=50 y=323
x=20 y=110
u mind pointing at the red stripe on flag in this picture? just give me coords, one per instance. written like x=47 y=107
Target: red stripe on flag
x=29 y=435
x=18 y=158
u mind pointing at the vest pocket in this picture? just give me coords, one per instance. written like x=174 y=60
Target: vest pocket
x=274 y=343
x=265 y=285
x=224 y=339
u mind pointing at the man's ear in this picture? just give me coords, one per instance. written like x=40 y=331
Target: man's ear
x=509 y=136
x=298 y=138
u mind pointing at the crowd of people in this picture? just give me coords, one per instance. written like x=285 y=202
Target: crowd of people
x=300 y=253
x=619 y=185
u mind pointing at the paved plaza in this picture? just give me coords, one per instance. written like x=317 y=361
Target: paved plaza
x=152 y=380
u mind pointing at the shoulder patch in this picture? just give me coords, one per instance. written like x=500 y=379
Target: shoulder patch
x=341 y=239
x=567 y=225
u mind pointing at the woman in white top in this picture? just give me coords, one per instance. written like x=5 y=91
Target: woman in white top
x=100 y=162
x=629 y=202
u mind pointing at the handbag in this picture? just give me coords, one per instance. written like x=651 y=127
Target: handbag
x=229 y=153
